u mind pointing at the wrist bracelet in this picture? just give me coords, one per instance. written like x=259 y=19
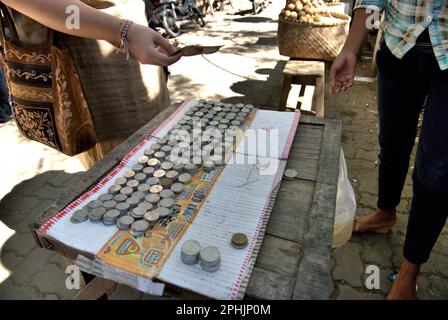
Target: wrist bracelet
x=125 y=25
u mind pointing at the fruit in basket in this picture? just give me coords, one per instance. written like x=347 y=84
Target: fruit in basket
x=305 y=11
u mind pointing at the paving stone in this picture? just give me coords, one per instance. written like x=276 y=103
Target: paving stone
x=348 y=293
x=51 y=279
x=349 y=266
x=20 y=243
x=123 y=292
x=368 y=200
x=9 y=291
x=368 y=155
x=432 y=288
x=437 y=263
x=33 y=264
x=51 y=297
x=9 y=260
x=376 y=249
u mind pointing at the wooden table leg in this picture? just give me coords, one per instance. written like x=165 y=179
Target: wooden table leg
x=287 y=81
x=319 y=94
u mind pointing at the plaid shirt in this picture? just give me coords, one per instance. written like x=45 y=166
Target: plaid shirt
x=405 y=20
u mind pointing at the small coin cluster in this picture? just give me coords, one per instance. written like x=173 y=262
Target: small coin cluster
x=209 y=257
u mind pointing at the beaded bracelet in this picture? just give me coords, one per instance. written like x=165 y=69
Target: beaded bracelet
x=125 y=25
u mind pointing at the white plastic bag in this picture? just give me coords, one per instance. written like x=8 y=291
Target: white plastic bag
x=345 y=206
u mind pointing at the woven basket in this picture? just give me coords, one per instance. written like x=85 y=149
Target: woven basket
x=317 y=40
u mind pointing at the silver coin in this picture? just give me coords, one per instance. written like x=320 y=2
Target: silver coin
x=177 y=187
x=184 y=178
x=121 y=182
x=120 y=197
x=160 y=155
x=166 y=203
x=172 y=143
x=155 y=146
x=208 y=165
x=166 y=166
x=159 y=173
x=105 y=197
x=167 y=193
x=140 y=177
x=79 y=216
x=156 y=188
x=143 y=160
x=114 y=189
x=163 y=212
x=140 y=226
x=153 y=162
x=149 y=152
x=153 y=181
x=143 y=187
x=210 y=255
x=146 y=205
x=138 y=195
x=138 y=212
x=132 y=184
x=290 y=174
x=97 y=214
x=152 y=217
x=153 y=198
x=129 y=174
x=148 y=171
x=123 y=207
x=138 y=168
x=172 y=174
x=94 y=204
x=110 y=204
x=191 y=168
x=113 y=215
x=162 y=141
x=125 y=222
x=166 y=149
x=132 y=202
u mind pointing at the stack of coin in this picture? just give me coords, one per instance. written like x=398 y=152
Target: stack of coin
x=210 y=259
x=138 y=213
x=79 y=216
x=190 y=251
x=162 y=212
x=139 y=227
x=177 y=187
x=93 y=204
x=110 y=217
x=239 y=241
x=152 y=217
x=96 y=215
x=125 y=222
x=105 y=197
x=290 y=174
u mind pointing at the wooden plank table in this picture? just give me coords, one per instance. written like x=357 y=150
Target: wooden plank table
x=295 y=257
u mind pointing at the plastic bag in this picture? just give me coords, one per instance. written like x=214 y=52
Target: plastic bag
x=345 y=206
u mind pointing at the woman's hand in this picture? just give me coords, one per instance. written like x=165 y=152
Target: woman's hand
x=342 y=72
x=149 y=47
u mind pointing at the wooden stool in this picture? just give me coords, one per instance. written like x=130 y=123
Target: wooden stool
x=305 y=73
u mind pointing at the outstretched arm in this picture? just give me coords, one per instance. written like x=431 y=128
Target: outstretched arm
x=147 y=45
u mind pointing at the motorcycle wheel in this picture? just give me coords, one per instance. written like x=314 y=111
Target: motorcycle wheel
x=197 y=15
x=170 y=24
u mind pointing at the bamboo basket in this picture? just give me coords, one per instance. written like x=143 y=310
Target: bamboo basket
x=317 y=40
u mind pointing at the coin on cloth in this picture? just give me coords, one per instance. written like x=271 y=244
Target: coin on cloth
x=138 y=168
x=190 y=168
x=152 y=217
x=138 y=212
x=177 y=187
x=96 y=215
x=138 y=195
x=129 y=174
x=105 y=197
x=125 y=222
x=167 y=193
x=79 y=216
x=126 y=191
x=210 y=259
x=208 y=165
x=110 y=204
x=120 y=197
x=163 y=212
x=148 y=171
x=159 y=173
x=166 y=183
x=162 y=141
x=239 y=240
x=190 y=251
x=153 y=162
x=184 y=178
x=156 y=188
x=93 y=204
x=146 y=205
x=172 y=174
x=166 y=203
x=123 y=207
x=153 y=198
x=143 y=187
x=114 y=189
x=149 y=152
x=143 y=160
x=140 y=177
x=121 y=181
x=111 y=217
x=139 y=227
x=132 y=202
x=166 y=166
x=132 y=184
x=155 y=146
x=152 y=181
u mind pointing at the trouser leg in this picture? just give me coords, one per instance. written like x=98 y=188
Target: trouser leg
x=400 y=99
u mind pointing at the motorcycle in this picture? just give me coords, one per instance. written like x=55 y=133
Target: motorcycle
x=173 y=15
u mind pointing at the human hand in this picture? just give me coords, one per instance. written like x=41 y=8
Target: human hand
x=149 y=47
x=342 y=72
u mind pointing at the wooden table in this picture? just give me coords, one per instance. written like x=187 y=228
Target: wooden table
x=295 y=257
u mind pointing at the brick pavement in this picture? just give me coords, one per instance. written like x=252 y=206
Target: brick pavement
x=247 y=70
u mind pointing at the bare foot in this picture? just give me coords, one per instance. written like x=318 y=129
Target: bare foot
x=404 y=287
x=380 y=219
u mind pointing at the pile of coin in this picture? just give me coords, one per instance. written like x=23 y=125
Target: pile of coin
x=147 y=193
x=239 y=241
x=210 y=259
x=190 y=252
